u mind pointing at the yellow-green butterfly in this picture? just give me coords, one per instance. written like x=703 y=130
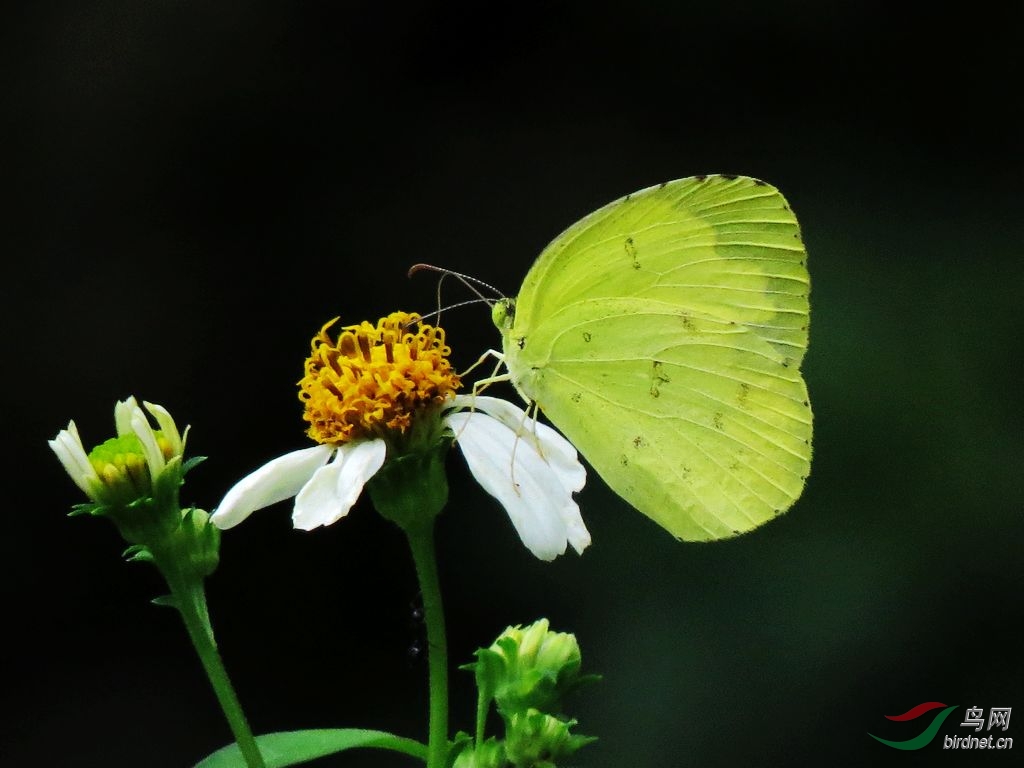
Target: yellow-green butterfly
x=663 y=334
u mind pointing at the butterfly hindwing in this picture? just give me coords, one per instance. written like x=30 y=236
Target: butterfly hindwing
x=697 y=423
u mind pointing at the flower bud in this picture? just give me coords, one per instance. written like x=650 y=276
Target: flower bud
x=538 y=740
x=490 y=754
x=134 y=479
x=528 y=668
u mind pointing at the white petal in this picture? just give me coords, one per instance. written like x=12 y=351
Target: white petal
x=559 y=452
x=167 y=427
x=275 y=481
x=68 y=447
x=124 y=410
x=144 y=431
x=576 y=531
x=331 y=492
x=509 y=467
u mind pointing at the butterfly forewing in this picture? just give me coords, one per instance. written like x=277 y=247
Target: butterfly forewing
x=729 y=247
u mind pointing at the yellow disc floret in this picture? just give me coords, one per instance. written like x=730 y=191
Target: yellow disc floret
x=374 y=378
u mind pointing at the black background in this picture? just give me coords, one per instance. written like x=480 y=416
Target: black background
x=194 y=188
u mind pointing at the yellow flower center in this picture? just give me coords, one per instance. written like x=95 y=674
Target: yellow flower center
x=121 y=466
x=374 y=378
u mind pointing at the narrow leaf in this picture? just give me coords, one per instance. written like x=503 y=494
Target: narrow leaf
x=297 y=747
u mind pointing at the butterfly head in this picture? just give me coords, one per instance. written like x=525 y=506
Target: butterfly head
x=503 y=314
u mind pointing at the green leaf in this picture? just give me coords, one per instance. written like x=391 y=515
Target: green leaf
x=297 y=747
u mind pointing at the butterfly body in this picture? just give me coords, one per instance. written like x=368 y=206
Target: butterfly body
x=663 y=334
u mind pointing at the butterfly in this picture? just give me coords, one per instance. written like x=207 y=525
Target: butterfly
x=662 y=335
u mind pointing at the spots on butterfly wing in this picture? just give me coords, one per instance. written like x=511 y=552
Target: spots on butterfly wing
x=576 y=397
x=686 y=320
x=639 y=442
x=717 y=421
x=658 y=378
x=624 y=460
x=631 y=252
x=587 y=337
x=742 y=399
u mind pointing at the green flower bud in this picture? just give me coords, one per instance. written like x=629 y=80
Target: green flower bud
x=528 y=668
x=490 y=754
x=134 y=479
x=198 y=542
x=537 y=740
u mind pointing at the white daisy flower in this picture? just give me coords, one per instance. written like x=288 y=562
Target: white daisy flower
x=369 y=386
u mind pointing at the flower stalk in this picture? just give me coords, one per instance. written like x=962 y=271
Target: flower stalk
x=134 y=480
x=189 y=597
x=421 y=543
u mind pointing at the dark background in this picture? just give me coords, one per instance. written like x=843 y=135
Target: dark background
x=193 y=188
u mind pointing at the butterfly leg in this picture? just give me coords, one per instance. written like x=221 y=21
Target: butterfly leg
x=481 y=384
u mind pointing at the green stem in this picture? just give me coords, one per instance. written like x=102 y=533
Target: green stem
x=421 y=542
x=190 y=600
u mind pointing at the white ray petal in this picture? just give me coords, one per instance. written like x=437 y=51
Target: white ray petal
x=559 y=452
x=333 y=489
x=275 y=481
x=167 y=427
x=68 y=447
x=536 y=494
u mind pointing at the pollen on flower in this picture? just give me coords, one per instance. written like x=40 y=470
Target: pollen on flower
x=374 y=378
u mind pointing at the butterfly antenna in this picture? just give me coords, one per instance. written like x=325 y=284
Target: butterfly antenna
x=437 y=312
x=466 y=280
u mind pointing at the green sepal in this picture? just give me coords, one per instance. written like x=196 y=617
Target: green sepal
x=411 y=489
x=166 y=601
x=188 y=465
x=89 y=508
x=138 y=553
x=295 y=747
x=579 y=682
x=489 y=754
x=489 y=670
x=459 y=742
